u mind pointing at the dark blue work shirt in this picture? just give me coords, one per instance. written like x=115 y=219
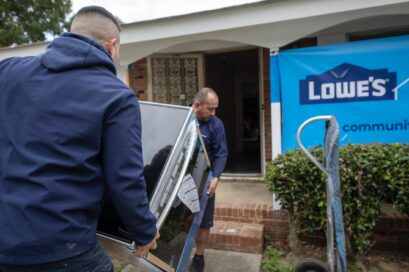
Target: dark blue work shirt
x=70 y=131
x=215 y=141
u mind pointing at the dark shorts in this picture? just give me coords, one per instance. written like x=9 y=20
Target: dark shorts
x=207 y=220
x=94 y=260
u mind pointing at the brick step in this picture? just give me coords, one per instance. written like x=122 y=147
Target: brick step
x=243 y=237
x=389 y=230
x=275 y=222
x=236 y=211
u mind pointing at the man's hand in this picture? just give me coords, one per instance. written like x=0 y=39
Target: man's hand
x=212 y=186
x=142 y=251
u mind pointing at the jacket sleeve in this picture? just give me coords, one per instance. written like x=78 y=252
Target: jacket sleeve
x=220 y=150
x=123 y=170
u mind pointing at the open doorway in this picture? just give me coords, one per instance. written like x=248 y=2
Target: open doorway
x=235 y=77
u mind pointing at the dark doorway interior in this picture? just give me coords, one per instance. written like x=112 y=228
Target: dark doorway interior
x=235 y=77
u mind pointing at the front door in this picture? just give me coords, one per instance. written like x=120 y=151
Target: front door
x=235 y=78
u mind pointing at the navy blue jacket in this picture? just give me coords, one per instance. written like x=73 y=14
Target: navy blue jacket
x=215 y=142
x=70 y=131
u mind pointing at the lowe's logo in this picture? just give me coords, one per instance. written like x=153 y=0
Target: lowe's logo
x=348 y=83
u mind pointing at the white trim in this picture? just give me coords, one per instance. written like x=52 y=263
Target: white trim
x=122 y=73
x=276 y=129
x=276 y=135
x=268 y=24
x=264 y=13
x=276 y=140
x=23 y=50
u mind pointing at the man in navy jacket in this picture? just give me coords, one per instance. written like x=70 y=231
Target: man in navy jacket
x=70 y=131
x=205 y=105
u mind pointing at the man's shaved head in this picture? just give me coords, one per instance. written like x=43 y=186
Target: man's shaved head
x=203 y=94
x=96 y=23
x=205 y=104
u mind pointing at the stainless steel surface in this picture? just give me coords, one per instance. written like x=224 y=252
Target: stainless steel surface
x=173 y=179
x=173 y=171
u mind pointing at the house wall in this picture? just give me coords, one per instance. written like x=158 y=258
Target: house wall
x=138 y=78
x=336 y=34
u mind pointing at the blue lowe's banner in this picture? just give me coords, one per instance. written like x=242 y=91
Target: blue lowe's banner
x=364 y=84
x=348 y=83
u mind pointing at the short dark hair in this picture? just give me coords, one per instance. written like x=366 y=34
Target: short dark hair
x=101 y=11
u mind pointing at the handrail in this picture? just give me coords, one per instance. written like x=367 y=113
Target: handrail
x=303 y=149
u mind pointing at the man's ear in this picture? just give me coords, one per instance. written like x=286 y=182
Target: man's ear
x=195 y=106
x=110 y=45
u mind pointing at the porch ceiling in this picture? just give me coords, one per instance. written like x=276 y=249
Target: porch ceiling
x=269 y=24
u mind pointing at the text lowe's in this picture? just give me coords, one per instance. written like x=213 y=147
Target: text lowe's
x=348 y=83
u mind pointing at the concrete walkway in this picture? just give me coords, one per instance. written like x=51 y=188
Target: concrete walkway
x=216 y=261
x=224 y=261
x=243 y=193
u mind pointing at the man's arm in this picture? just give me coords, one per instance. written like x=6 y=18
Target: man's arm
x=123 y=170
x=220 y=157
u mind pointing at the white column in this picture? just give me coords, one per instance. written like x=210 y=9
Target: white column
x=276 y=128
x=122 y=73
x=275 y=112
x=275 y=105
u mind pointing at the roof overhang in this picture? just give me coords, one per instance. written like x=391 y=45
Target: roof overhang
x=270 y=24
x=23 y=50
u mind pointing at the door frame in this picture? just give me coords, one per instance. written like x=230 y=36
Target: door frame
x=262 y=111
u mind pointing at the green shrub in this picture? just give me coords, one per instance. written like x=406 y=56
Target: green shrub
x=274 y=261
x=369 y=174
x=170 y=229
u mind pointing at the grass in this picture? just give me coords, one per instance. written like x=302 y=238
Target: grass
x=274 y=261
x=351 y=267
